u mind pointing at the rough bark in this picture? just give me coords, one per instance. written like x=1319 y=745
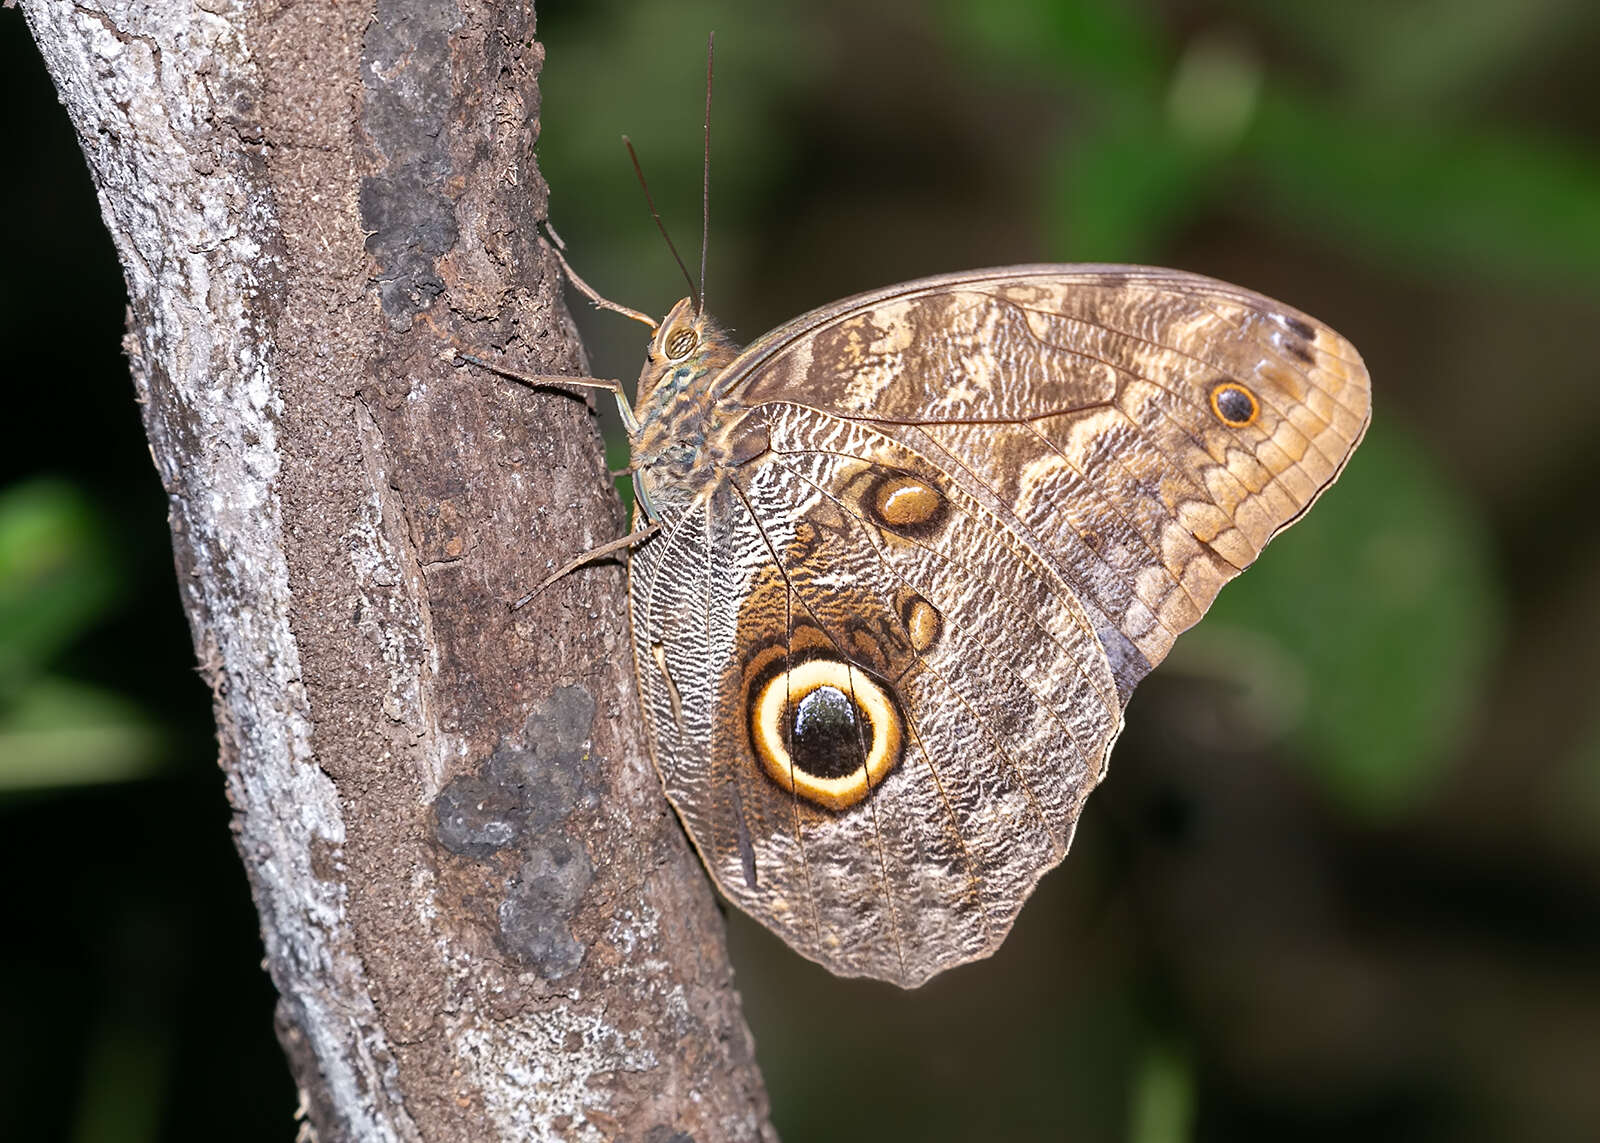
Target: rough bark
x=480 y=915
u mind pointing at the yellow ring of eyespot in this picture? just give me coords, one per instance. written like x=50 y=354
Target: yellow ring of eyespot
x=1255 y=406
x=786 y=689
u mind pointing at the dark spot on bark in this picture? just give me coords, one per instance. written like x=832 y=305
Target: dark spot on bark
x=405 y=208
x=524 y=789
x=661 y=1133
x=535 y=916
x=474 y=817
x=521 y=799
x=558 y=728
x=546 y=789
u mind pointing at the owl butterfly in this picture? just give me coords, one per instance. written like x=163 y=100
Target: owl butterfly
x=905 y=558
x=915 y=550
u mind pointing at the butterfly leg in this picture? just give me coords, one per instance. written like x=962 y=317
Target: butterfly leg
x=556 y=246
x=546 y=381
x=629 y=422
x=617 y=545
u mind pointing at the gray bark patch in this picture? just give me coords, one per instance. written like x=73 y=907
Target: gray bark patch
x=476 y=818
x=411 y=223
x=535 y=916
x=521 y=800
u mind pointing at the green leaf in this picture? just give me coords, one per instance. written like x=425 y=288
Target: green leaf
x=1430 y=198
x=57 y=579
x=1121 y=189
x=56 y=574
x=56 y=733
x=1163 y=1098
x=1110 y=42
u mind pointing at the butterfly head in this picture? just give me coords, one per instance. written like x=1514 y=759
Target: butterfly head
x=687 y=350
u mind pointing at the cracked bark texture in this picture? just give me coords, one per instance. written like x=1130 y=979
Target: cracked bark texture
x=481 y=917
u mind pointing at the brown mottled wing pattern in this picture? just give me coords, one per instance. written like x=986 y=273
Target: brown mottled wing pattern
x=990 y=501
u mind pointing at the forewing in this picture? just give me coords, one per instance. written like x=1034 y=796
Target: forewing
x=1097 y=412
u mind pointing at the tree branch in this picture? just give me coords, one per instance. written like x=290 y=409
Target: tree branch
x=480 y=914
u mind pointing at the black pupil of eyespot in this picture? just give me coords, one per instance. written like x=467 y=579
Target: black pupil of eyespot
x=827 y=737
x=681 y=342
x=1235 y=404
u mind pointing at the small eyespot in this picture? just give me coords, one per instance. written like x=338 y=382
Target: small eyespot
x=1234 y=405
x=922 y=620
x=681 y=342
x=904 y=504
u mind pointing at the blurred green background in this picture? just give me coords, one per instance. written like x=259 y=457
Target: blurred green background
x=1344 y=878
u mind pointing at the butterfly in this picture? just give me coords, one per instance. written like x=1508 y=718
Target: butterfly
x=903 y=560
x=899 y=564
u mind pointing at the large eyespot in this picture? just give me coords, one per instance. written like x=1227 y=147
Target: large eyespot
x=827 y=731
x=681 y=342
x=1234 y=405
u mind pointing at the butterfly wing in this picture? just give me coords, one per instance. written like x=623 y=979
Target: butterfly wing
x=884 y=660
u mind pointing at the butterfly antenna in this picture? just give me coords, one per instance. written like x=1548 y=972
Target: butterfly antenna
x=655 y=214
x=705 y=188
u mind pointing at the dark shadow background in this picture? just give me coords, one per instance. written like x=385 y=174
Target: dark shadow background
x=1344 y=878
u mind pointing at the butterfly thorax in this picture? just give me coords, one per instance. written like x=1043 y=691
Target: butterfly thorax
x=686 y=439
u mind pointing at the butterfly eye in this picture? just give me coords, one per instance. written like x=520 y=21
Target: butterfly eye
x=681 y=343
x=1234 y=405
